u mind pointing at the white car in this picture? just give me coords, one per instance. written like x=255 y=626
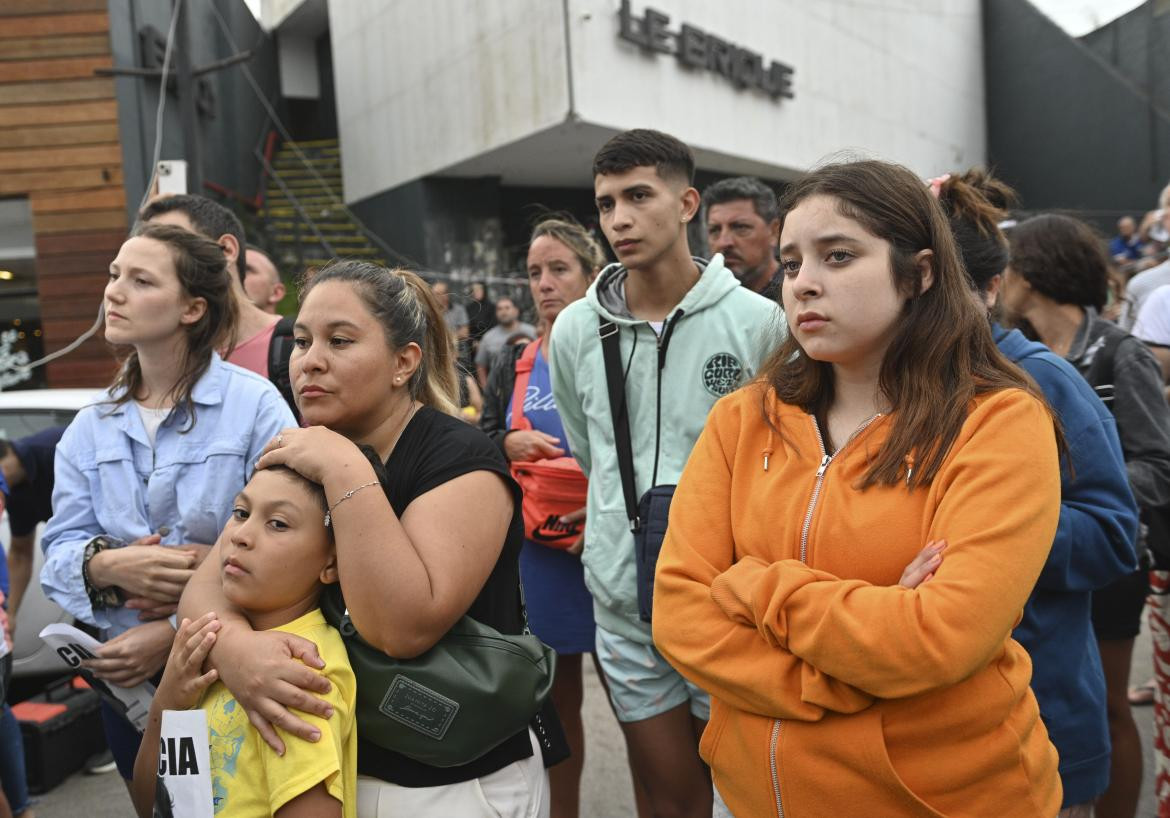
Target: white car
x=22 y=413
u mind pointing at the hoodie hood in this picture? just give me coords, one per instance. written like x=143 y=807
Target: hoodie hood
x=1014 y=344
x=607 y=294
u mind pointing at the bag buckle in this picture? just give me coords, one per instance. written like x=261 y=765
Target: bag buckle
x=636 y=525
x=607 y=330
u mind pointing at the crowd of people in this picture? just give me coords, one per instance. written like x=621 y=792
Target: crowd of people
x=859 y=515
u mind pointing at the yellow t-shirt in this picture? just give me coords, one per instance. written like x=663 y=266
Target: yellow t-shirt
x=248 y=778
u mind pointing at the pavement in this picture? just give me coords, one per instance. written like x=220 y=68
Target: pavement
x=606 y=789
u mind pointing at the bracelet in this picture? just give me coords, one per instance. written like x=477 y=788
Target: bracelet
x=99 y=598
x=344 y=497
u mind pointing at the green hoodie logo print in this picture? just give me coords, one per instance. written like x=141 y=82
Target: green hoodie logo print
x=722 y=374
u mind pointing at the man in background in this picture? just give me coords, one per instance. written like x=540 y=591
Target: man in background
x=508 y=323
x=262 y=281
x=743 y=223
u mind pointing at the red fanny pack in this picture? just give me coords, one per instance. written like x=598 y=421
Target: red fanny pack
x=552 y=487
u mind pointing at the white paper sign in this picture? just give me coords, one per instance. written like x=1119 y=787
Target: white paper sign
x=73 y=646
x=184 y=766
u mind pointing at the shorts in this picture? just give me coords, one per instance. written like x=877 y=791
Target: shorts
x=519 y=790
x=642 y=684
x=1117 y=608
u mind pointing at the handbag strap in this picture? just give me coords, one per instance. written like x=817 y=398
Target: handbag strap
x=614 y=378
x=524 y=367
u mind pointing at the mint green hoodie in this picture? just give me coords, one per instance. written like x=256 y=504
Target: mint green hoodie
x=722 y=334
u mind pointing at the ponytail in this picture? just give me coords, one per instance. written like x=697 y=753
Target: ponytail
x=409 y=313
x=435 y=383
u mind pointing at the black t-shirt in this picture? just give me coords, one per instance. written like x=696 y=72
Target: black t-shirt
x=434 y=449
x=31 y=502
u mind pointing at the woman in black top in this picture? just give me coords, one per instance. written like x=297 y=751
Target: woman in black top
x=374 y=367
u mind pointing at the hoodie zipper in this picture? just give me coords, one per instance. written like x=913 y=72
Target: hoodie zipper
x=826 y=459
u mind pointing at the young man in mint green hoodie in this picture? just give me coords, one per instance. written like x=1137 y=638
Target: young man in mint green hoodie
x=689 y=334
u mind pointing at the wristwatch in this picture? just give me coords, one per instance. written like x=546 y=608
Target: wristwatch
x=99 y=598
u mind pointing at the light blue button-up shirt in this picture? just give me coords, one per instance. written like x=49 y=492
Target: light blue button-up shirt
x=110 y=480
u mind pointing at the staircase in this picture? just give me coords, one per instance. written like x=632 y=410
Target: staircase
x=304 y=219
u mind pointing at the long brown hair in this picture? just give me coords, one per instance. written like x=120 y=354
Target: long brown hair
x=202 y=272
x=409 y=313
x=942 y=354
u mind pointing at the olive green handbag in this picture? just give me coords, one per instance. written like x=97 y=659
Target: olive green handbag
x=470 y=692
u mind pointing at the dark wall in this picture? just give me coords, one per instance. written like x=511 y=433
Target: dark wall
x=448 y=225
x=523 y=207
x=229 y=131
x=1138 y=45
x=316 y=118
x=1066 y=129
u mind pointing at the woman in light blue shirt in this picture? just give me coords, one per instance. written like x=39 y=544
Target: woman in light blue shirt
x=145 y=479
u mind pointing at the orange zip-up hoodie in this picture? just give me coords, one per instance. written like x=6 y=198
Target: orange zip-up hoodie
x=834 y=691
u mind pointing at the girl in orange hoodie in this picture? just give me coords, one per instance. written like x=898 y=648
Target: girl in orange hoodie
x=886 y=428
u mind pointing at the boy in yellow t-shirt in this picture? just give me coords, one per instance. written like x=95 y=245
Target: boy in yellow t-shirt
x=277 y=557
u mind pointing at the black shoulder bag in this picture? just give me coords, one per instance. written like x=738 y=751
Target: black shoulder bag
x=648 y=515
x=1157 y=520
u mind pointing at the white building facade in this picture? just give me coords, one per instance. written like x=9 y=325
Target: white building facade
x=519 y=94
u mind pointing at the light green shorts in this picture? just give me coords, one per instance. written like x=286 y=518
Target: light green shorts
x=642 y=684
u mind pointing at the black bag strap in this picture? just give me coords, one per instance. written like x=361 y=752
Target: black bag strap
x=1100 y=372
x=280 y=349
x=615 y=379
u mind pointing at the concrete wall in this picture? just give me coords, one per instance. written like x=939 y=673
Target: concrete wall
x=901 y=81
x=1067 y=129
x=421 y=86
x=528 y=89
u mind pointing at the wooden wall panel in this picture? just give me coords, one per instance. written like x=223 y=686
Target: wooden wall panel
x=24 y=182
x=25 y=136
x=48 y=25
x=60 y=147
x=68 y=223
x=106 y=241
x=102 y=198
x=30 y=159
x=27 y=115
x=59 y=69
x=24 y=93
x=12 y=8
x=77 y=45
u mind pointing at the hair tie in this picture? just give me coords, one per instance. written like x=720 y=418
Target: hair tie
x=936 y=184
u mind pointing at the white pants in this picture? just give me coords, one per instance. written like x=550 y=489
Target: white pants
x=519 y=790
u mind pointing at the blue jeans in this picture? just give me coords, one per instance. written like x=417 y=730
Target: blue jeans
x=12 y=772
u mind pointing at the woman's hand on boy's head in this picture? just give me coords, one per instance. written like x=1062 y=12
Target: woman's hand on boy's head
x=184 y=681
x=315 y=453
x=271 y=673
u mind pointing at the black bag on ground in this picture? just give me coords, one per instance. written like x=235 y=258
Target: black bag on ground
x=60 y=728
x=648 y=515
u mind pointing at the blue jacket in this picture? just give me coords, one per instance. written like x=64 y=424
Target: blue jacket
x=109 y=480
x=1094 y=546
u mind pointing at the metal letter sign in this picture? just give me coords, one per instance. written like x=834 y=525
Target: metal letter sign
x=698 y=50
